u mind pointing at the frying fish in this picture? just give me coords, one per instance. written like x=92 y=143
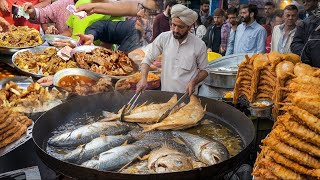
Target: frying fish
x=208 y=151
x=117 y=157
x=150 y=113
x=185 y=117
x=85 y=134
x=95 y=147
x=165 y=160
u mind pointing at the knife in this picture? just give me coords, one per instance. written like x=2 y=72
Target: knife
x=164 y=115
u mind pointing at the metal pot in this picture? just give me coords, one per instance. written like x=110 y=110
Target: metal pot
x=223 y=71
x=263 y=111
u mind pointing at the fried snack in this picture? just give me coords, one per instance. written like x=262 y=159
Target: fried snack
x=46 y=63
x=301 y=69
x=14 y=137
x=295 y=59
x=105 y=61
x=284 y=69
x=135 y=78
x=291 y=153
x=274 y=59
x=20 y=36
x=293 y=141
x=280 y=171
x=304 y=79
x=264 y=174
x=309 y=103
x=11 y=131
x=305 y=117
x=295 y=87
x=299 y=130
x=280 y=159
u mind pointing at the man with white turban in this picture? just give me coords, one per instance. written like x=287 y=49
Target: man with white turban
x=184 y=56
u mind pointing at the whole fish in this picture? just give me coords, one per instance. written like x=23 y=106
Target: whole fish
x=165 y=160
x=117 y=157
x=85 y=134
x=207 y=151
x=185 y=117
x=150 y=113
x=95 y=147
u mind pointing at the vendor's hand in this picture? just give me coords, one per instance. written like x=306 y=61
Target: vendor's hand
x=191 y=87
x=52 y=30
x=63 y=42
x=88 y=8
x=4 y=25
x=142 y=85
x=209 y=50
x=46 y=81
x=28 y=7
x=4 y=7
x=85 y=39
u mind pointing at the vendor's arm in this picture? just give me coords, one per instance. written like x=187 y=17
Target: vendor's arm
x=67 y=32
x=151 y=55
x=4 y=24
x=4 y=7
x=113 y=9
x=202 y=64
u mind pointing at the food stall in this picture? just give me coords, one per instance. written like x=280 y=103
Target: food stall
x=81 y=126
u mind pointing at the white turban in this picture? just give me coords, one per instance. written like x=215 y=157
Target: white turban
x=186 y=15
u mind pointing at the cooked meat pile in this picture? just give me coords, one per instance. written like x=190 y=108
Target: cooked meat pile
x=102 y=85
x=105 y=61
x=20 y=36
x=292 y=149
x=46 y=63
x=12 y=126
x=264 y=76
x=126 y=83
x=34 y=99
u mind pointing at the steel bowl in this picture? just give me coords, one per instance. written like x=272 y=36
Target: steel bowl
x=38 y=49
x=50 y=38
x=223 y=71
x=262 y=112
x=74 y=71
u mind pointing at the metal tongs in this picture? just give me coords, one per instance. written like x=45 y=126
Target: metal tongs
x=131 y=103
x=164 y=115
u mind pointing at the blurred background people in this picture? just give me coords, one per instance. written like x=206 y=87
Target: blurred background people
x=230 y=25
x=204 y=17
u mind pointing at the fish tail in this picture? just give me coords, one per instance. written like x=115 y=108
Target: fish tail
x=147 y=128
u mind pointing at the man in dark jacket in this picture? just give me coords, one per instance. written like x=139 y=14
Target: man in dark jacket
x=212 y=38
x=306 y=41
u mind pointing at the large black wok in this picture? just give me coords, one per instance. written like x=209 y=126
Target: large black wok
x=94 y=104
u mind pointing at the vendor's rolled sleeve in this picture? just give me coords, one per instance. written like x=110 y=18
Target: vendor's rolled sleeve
x=154 y=52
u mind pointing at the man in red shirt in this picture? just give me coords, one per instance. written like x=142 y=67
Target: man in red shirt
x=6 y=6
x=161 y=21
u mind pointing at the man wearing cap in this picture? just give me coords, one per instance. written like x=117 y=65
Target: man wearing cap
x=184 y=56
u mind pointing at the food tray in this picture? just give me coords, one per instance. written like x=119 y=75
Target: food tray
x=38 y=49
x=13 y=50
x=22 y=81
x=24 y=138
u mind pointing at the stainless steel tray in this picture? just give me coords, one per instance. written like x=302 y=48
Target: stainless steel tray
x=38 y=49
x=227 y=64
x=22 y=81
x=12 y=50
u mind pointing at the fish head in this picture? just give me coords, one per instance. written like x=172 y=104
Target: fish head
x=173 y=163
x=214 y=153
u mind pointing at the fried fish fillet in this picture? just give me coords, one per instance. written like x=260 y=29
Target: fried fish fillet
x=185 y=117
x=13 y=137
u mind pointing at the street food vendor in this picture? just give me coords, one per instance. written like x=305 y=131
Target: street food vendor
x=184 y=56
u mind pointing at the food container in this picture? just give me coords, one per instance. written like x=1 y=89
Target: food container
x=13 y=50
x=21 y=81
x=74 y=71
x=50 y=38
x=223 y=71
x=263 y=109
x=38 y=49
x=213 y=56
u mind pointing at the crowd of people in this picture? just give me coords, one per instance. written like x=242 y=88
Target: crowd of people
x=177 y=32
